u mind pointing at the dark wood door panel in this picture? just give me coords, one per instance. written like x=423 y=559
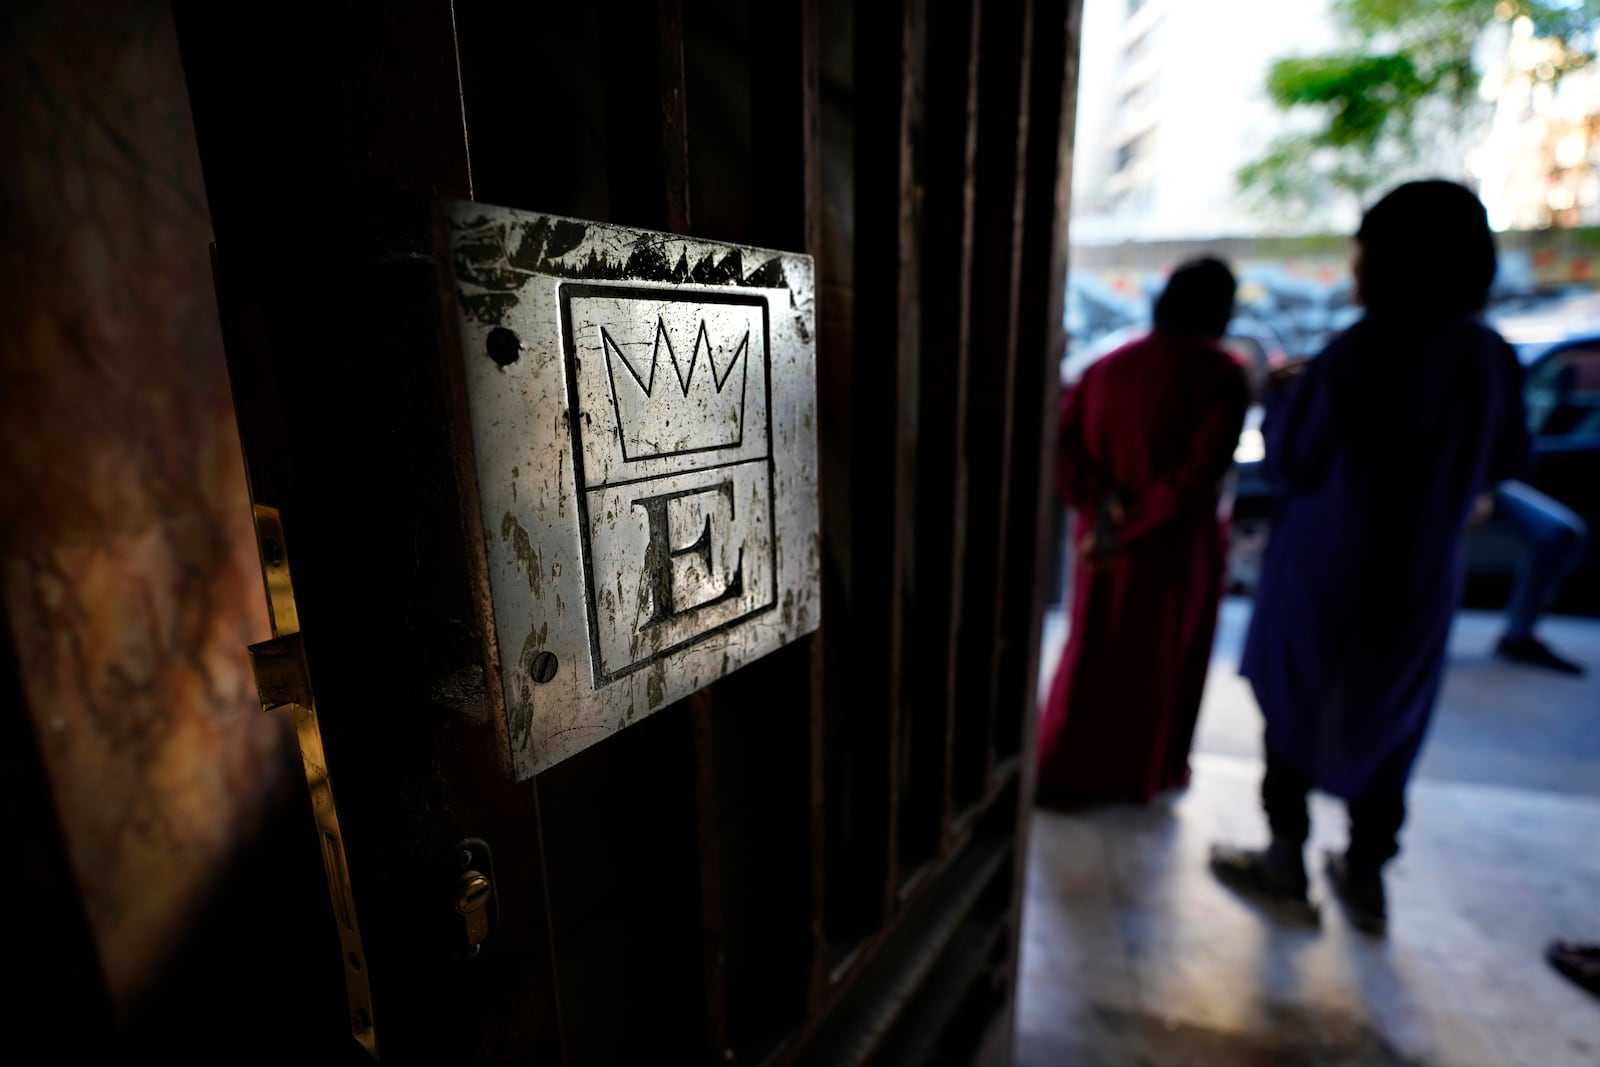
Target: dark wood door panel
x=827 y=843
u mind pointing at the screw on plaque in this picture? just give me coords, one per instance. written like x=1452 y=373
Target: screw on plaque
x=544 y=667
x=505 y=347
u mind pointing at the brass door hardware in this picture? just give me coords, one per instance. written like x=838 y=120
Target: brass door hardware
x=472 y=902
x=473 y=895
x=282 y=678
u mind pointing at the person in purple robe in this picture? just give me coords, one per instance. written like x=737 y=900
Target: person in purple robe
x=1378 y=450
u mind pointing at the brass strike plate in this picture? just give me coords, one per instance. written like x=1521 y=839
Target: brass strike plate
x=283 y=678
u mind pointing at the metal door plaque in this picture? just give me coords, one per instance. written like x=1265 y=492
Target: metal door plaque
x=643 y=422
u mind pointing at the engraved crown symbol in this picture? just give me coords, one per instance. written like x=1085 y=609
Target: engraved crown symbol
x=699 y=407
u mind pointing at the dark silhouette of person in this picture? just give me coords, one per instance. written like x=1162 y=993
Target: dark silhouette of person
x=1379 y=451
x=1145 y=439
x=1555 y=539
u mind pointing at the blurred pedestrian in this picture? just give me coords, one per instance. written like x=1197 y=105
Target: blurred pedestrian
x=1379 y=450
x=1554 y=539
x=1145 y=439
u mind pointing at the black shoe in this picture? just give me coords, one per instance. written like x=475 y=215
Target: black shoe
x=1361 y=892
x=1533 y=652
x=1247 y=871
x=1578 y=961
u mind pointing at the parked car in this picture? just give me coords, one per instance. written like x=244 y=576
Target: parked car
x=1082 y=357
x=1258 y=346
x=1562 y=397
x=1561 y=392
x=1305 y=312
x=1093 y=308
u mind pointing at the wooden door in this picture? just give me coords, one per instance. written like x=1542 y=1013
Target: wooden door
x=818 y=858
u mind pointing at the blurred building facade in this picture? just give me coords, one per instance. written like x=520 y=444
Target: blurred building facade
x=1171 y=104
x=1537 y=164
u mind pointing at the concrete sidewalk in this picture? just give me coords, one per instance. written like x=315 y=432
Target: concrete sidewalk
x=1133 y=954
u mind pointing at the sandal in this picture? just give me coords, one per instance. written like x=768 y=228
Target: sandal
x=1578 y=960
x=1247 y=871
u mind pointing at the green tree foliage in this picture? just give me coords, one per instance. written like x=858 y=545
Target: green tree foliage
x=1403 y=76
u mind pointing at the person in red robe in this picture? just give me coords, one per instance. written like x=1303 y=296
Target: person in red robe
x=1146 y=438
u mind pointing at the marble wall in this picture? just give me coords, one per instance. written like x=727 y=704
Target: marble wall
x=127 y=565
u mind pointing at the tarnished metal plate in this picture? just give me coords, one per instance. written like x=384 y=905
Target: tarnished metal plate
x=643 y=422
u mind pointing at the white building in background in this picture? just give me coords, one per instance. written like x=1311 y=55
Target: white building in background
x=1171 y=103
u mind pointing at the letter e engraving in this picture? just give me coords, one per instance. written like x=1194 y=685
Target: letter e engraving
x=661 y=554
